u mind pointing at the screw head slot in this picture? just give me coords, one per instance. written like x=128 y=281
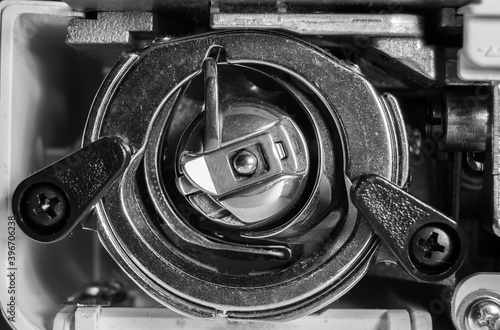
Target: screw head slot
x=431 y=247
x=44 y=205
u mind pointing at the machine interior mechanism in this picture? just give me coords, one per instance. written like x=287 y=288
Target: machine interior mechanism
x=251 y=164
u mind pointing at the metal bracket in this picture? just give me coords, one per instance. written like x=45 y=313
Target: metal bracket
x=114 y=30
x=393 y=25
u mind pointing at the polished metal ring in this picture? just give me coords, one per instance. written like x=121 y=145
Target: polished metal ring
x=144 y=230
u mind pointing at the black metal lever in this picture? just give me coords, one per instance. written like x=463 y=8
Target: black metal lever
x=52 y=202
x=429 y=245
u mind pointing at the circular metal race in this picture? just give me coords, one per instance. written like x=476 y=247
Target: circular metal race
x=244 y=147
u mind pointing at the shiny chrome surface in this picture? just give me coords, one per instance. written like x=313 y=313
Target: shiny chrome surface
x=466 y=121
x=245 y=163
x=484 y=314
x=281 y=164
x=212 y=116
x=476 y=302
x=149 y=230
x=261 y=176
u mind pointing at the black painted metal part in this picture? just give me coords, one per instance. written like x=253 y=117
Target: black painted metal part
x=428 y=244
x=49 y=204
